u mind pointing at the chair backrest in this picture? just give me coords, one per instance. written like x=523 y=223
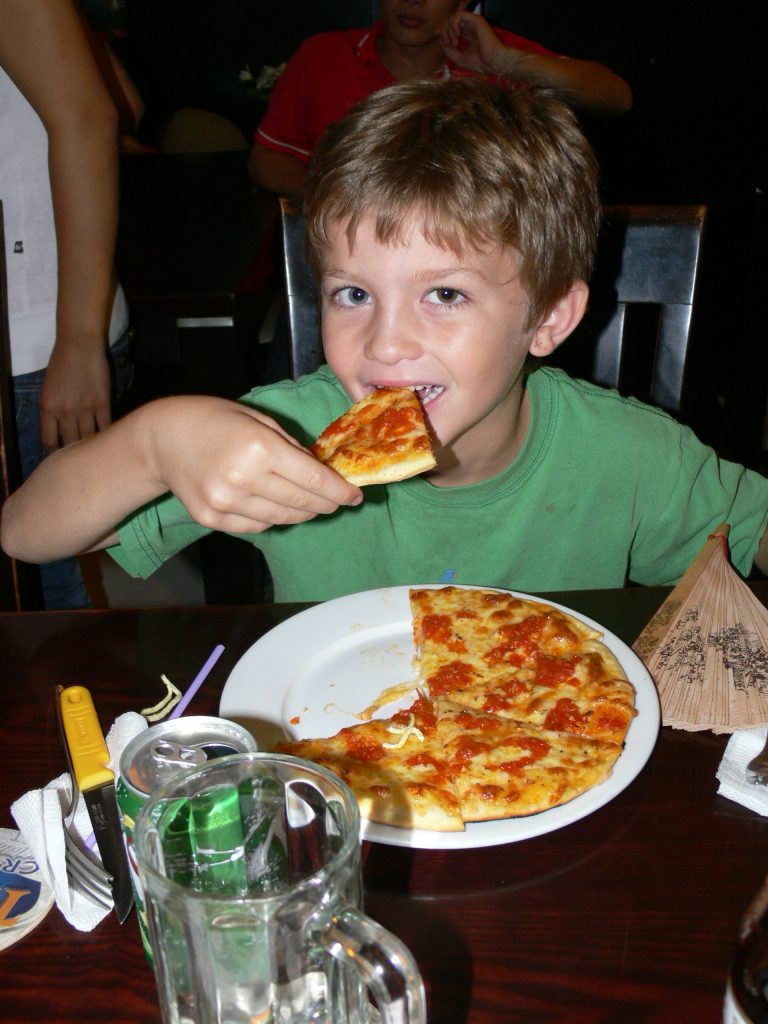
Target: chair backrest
x=637 y=332
x=19 y=582
x=306 y=350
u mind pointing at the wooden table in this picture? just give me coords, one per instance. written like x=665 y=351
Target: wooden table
x=628 y=915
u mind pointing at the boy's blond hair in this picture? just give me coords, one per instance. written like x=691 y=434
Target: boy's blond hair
x=480 y=165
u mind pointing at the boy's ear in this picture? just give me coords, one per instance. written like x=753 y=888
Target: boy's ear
x=561 y=319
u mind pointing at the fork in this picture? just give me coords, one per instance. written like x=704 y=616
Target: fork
x=84 y=874
x=757 y=769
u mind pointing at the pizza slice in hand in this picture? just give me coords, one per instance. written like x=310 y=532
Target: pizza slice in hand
x=380 y=439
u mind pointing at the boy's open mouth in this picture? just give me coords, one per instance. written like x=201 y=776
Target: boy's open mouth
x=427 y=392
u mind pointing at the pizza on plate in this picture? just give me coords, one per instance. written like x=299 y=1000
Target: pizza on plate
x=520 y=707
x=396 y=768
x=520 y=659
x=504 y=768
x=380 y=439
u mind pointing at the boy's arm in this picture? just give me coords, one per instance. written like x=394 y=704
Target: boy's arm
x=588 y=85
x=45 y=50
x=77 y=496
x=232 y=467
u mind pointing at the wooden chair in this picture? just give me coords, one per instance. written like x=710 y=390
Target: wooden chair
x=19 y=582
x=636 y=335
x=637 y=332
x=233 y=573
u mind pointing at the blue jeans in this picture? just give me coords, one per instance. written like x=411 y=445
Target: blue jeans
x=62 y=582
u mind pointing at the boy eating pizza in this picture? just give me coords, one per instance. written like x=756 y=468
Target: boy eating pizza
x=452 y=225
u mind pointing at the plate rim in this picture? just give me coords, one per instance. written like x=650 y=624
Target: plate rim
x=641 y=733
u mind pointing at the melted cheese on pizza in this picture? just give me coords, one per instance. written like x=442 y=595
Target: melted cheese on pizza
x=407 y=786
x=380 y=439
x=503 y=768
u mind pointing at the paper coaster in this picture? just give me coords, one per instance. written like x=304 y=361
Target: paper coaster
x=25 y=897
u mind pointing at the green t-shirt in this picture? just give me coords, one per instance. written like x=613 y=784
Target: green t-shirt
x=604 y=489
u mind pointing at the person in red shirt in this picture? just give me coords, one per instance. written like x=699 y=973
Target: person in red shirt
x=332 y=71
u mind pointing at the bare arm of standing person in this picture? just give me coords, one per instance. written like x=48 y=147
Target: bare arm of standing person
x=587 y=85
x=45 y=50
x=232 y=467
x=277 y=172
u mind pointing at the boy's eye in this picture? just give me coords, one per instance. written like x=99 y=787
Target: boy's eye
x=351 y=296
x=445 y=296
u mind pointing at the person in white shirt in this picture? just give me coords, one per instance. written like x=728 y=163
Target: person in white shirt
x=59 y=188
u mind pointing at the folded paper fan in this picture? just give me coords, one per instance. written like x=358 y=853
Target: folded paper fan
x=707 y=647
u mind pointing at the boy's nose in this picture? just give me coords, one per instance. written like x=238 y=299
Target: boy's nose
x=390 y=341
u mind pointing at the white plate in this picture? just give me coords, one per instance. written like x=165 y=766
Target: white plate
x=311 y=675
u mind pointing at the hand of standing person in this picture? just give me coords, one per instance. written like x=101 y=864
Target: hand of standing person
x=75 y=400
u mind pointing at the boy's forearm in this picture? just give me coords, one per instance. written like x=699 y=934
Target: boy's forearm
x=77 y=496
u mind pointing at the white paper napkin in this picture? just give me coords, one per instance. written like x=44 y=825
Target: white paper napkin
x=38 y=816
x=743 y=745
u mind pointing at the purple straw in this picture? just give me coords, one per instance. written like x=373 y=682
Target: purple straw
x=181 y=707
x=197 y=682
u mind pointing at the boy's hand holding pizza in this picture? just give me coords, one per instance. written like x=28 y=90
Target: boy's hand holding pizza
x=232 y=467
x=244 y=473
x=236 y=469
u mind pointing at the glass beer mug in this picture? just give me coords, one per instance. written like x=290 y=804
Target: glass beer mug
x=250 y=867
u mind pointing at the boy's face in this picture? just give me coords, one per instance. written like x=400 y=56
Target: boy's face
x=417 y=22
x=418 y=315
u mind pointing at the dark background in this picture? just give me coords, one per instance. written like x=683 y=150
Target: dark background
x=698 y=124
x=696 y=134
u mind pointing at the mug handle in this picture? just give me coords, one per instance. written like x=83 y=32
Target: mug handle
x=387 y=966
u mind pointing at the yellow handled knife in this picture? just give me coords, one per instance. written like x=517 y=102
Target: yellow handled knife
x=88 y=760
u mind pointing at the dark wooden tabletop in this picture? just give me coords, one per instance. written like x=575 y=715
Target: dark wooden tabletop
x=625 y=917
